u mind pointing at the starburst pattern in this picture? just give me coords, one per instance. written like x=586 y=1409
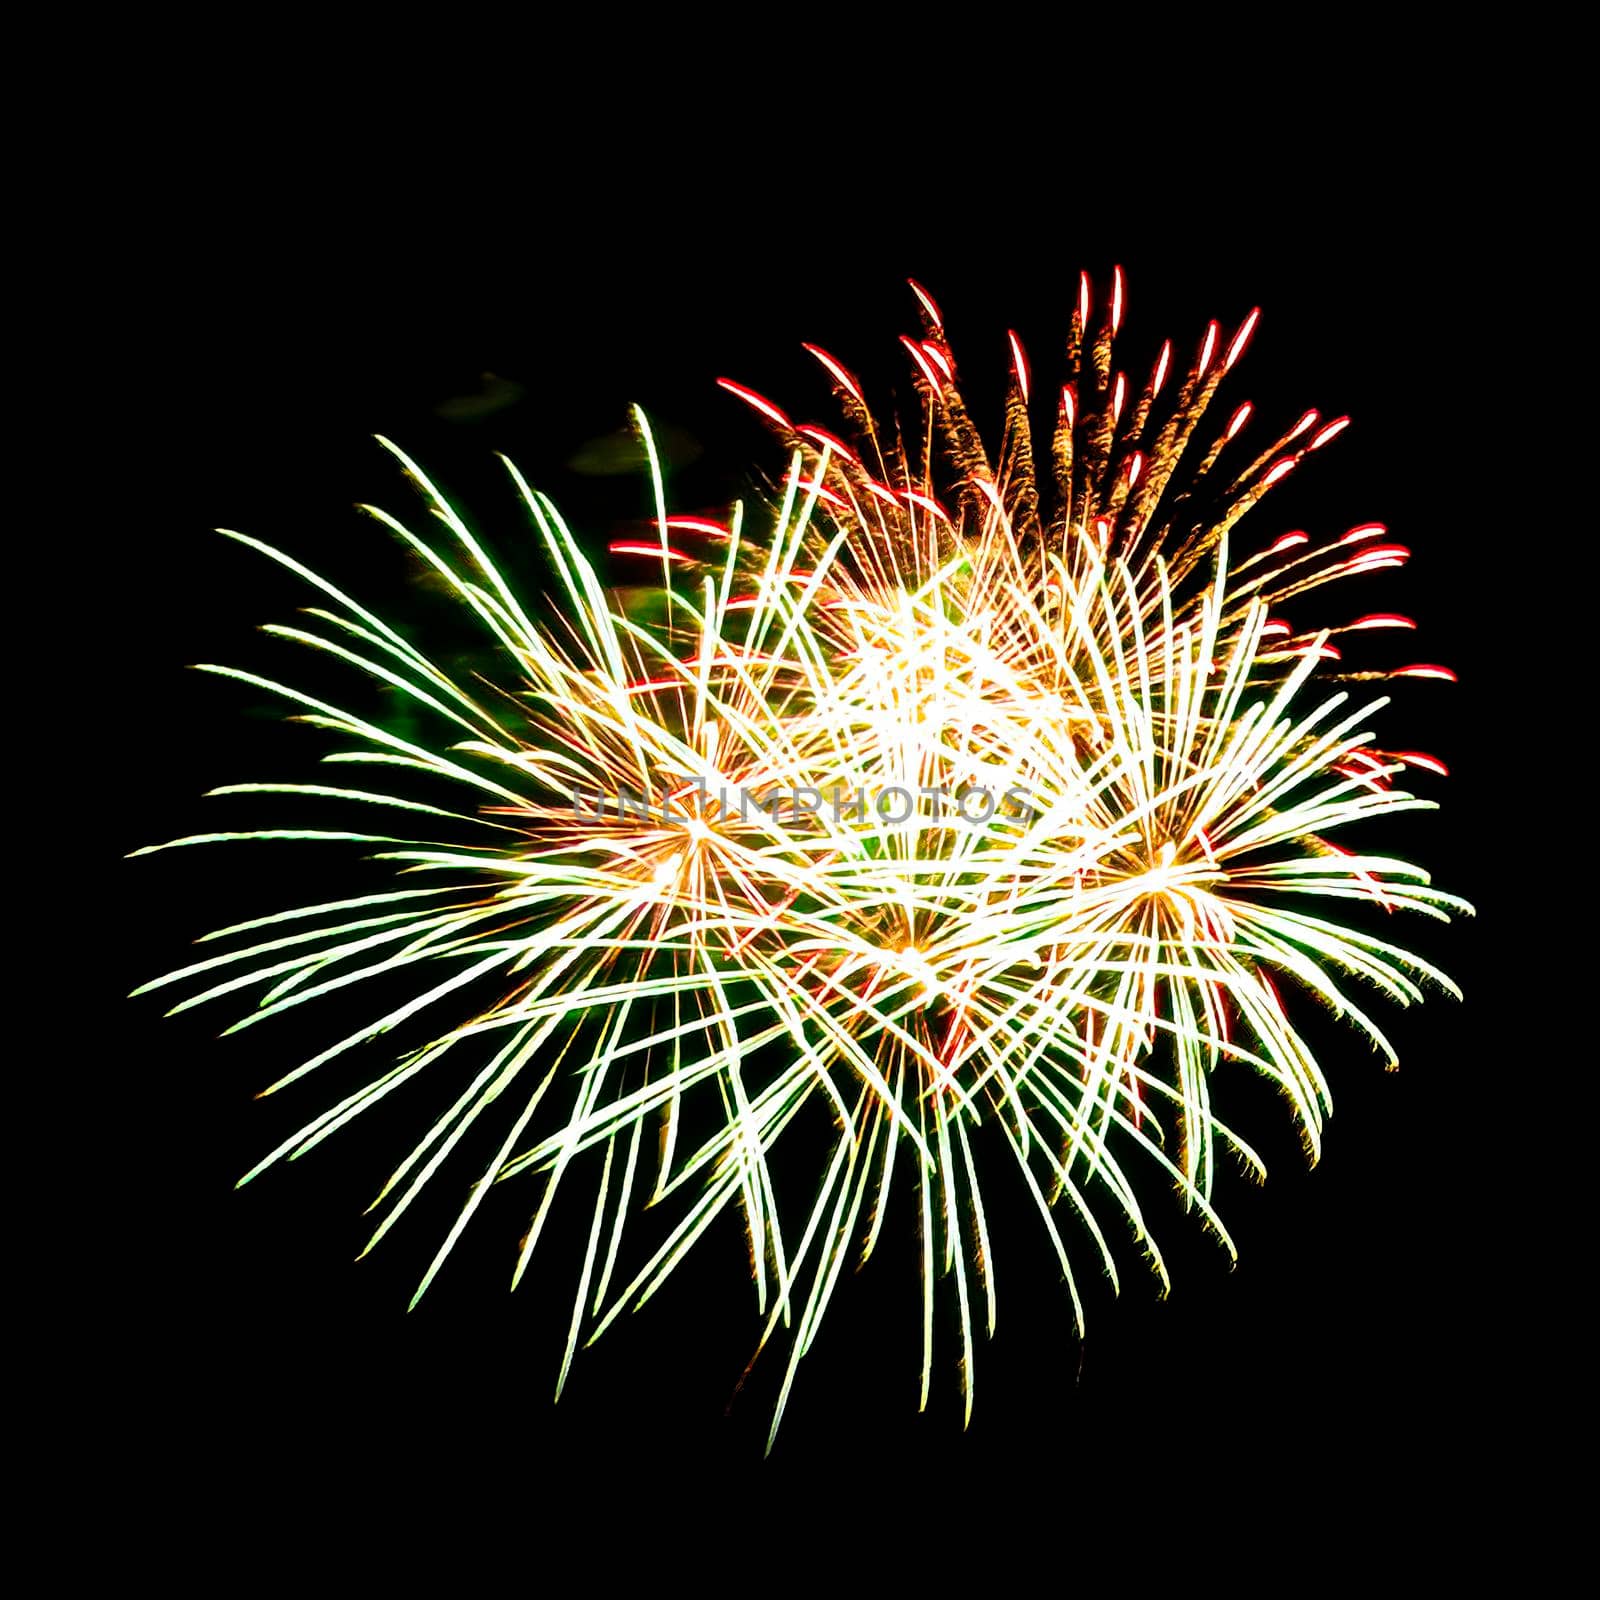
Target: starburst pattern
x=969 y=812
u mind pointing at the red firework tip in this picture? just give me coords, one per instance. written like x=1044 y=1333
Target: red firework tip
x=1019 y=363
x=935 y=353
x=1162 y=363
x=1330 y=430
x=927 y=302
x=883 y=492
x=627 y=547
x=1240 y=417
x=714 y=530
x=751 y=398
x=822 y=437
x=920 y=357
x=1279 y=630
x=1116 y=299
x=1069 y=404
x=1289 y=541
x=1242 y=338
x=1381 y=619
x=1426 y=671
x=815 y=486
x=1415 y=758
x=838 y=373
x=1083 y=298
x=1278 y=470
x=1208 y=349
x=1385 y=554
x=1135 y=467
x=1360 y=774
x=1365 y=530
x=1119 y=394
x=1309 y=420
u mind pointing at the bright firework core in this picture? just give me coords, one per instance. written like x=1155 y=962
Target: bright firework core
x=984 y=802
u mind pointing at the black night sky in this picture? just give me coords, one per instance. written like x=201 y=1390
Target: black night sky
x=463 y=307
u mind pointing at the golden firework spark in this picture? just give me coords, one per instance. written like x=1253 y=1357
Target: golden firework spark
x=970 y=811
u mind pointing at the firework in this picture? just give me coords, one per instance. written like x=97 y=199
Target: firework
x=975 y=801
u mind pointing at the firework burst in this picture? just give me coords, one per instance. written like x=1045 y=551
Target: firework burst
x=971 y=797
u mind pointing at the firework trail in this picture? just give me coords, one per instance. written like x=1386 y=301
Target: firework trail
x=979 y=802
